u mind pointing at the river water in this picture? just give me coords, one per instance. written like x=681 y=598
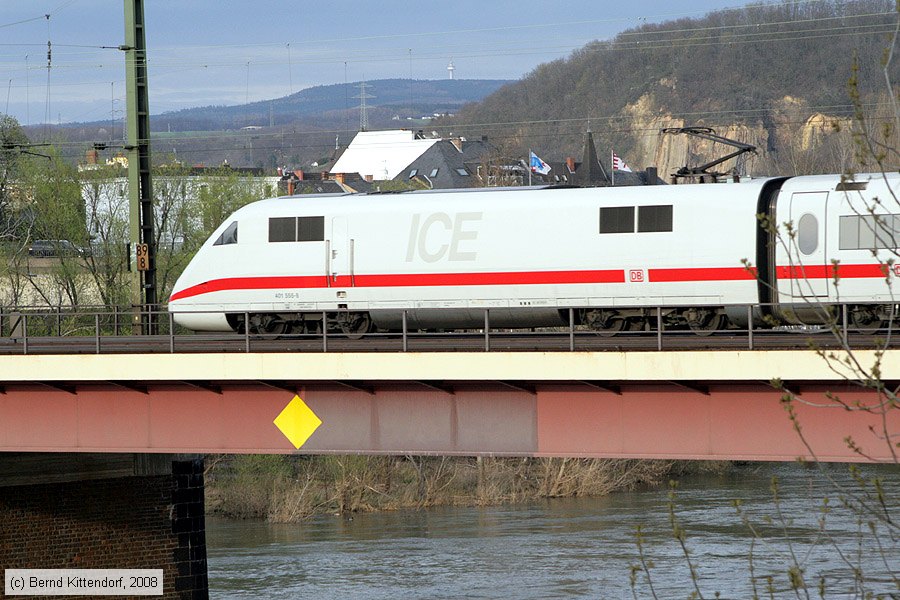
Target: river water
x=580 y=548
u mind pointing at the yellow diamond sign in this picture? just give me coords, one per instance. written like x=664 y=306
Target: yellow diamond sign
x=297 y=422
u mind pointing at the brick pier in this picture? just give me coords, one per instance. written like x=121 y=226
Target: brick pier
x=63 y=511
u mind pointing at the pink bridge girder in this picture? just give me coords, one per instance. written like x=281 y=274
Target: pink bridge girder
x=683 y=420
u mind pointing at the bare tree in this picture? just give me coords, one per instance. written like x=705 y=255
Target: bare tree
x=106 y=206
x=868 y=566
x=11 y=164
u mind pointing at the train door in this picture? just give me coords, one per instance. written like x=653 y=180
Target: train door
x=340 y=249
x=808 y=259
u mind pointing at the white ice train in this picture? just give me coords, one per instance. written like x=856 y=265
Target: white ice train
x=529 y=255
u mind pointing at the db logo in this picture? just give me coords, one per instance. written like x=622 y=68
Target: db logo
x=637 y=275
x=897 y=270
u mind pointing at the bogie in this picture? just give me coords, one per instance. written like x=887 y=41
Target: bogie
x=871 y=318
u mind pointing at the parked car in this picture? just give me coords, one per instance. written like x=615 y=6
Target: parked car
x=54 y=248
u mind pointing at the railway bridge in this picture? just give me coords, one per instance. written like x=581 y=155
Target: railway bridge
x=101 y=453
x=710 y=404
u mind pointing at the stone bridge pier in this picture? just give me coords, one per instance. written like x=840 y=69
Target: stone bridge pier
x=105 y=511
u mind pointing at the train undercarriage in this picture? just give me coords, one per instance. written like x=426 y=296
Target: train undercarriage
x=608 y=322
x=702 y=320
x=345 y=322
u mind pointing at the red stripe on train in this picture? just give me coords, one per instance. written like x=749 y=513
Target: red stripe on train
x=403 y=280
x=783 y=272
x=702 y=274
x=829 y=271
x=526 y=278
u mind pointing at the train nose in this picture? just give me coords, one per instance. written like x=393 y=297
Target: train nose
x=201 y=321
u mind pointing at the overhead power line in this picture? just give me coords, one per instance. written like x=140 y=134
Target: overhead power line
x=22 y=22
x=40 y=17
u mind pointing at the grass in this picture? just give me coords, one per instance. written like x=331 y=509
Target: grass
x=290 y=488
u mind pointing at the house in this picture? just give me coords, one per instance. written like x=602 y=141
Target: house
x=433 y=163
x=297 y=182
x=409 y=157
x=449 y=164
x=382 y=155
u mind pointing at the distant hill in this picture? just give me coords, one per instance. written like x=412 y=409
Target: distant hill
x=389 y=97
x=774 y=75
x=293 y=131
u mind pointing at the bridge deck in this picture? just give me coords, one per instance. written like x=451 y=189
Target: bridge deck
x=693 y=405
x=717 y=365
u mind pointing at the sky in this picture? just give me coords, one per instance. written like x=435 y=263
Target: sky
x=209 y=52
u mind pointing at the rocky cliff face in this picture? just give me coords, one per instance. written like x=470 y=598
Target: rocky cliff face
x=790 y=139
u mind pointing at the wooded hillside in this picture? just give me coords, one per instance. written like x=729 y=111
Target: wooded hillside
x=774 y=76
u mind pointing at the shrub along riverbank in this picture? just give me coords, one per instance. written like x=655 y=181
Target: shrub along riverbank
x=291 y=488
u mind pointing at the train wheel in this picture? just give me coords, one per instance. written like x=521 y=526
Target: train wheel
x=704 y=321
x=279 y=327
x=354 y=325
x=868 y=319
x=605 y=322
x=270 y=324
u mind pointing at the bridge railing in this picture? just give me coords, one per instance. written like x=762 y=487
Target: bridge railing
x=97 y=329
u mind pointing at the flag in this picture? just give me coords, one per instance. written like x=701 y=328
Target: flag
x=619 y=164
x=539 y=166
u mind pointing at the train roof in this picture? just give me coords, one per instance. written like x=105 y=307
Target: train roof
x=745 y=192
x=527 y=196
x=833 y=182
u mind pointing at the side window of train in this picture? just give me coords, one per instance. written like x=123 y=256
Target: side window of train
x=311 y=229
x=848 y=229
x=655 y=218
x=297 y=229
x=617 y=219
x=620 y=219
x=808 y=234
x=229 y=236
x=283 y=229
x=869 y=232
